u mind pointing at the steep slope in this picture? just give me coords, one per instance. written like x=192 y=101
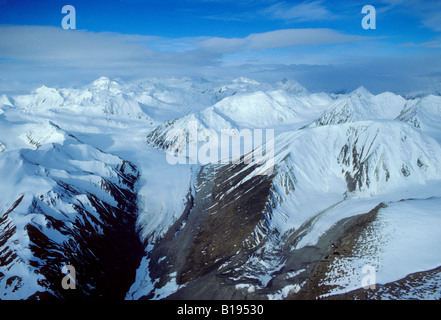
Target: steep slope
x=71 y=205
x=360 y=159
x=41 y=99
x=361 y=105
x=253 y=236
x=424 y=114
x=4 y=102
x=400 y=241
x=258 y=110
x=351 y=168
x=217 y=230
x=350 y=164
x=268 y=109
x=180 y=135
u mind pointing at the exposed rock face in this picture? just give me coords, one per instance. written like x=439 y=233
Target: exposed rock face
x=222 y=226
x=86 y=220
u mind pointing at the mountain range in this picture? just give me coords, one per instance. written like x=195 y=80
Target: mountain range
x=349 y=194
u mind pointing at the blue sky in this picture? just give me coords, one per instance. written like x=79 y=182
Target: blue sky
x=228 y=18
x=319 y=43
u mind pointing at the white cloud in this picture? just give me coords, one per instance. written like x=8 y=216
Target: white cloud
x=279 y=39
x=53 y=45
x=429 y=44
x=56 y=46
x=298 y=12
x=37 y=55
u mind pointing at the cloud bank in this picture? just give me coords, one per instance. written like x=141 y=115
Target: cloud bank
x=320 y=59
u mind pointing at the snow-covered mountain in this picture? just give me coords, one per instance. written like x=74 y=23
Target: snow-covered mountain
x=102 y=98
x=423 y=113
x=362 y=105
x=353 y=182
x=66 y=203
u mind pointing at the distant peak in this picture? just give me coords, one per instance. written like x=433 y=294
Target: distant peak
x=360 y=91
x=4 y=101
x=104 y=83
x=44 y=89
x=101 y=80
x=291 y=86
x=246 y=80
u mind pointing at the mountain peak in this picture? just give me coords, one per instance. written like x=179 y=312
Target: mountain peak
x=360 y=92
x=246 y=80
x=291 y=86
x=44 y=90
x=5 y=101
x=105 y=84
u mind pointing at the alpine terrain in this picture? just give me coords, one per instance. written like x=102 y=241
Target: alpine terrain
x=133 y=190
